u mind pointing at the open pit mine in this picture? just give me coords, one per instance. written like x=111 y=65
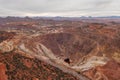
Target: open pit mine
x=49 y=49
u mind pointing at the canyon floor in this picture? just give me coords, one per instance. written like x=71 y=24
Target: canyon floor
x=48 y=49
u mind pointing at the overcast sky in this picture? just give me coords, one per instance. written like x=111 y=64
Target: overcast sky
x=59 y=7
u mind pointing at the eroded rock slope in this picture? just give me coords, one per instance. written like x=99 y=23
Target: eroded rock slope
x=60 y=51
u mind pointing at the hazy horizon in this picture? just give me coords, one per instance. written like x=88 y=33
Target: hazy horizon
x=64 y=8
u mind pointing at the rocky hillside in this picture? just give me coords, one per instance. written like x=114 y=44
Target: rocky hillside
x=14 y=66
x=60 y=50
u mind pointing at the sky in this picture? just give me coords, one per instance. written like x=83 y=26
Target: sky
x=65 y=8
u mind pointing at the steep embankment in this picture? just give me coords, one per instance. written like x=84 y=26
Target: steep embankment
x=16 y=64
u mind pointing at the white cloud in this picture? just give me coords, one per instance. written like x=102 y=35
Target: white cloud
x=59 y=7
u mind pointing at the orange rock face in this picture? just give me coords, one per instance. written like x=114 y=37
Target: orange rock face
x=110 y=71
x=3 y=75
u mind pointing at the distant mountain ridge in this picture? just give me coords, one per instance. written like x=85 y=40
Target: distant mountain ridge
x=47 y=17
